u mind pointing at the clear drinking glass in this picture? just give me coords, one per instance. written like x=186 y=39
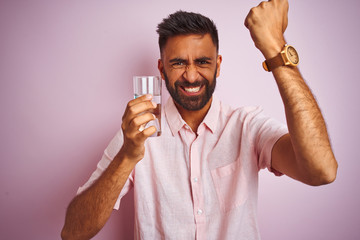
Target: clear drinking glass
x=150 y=85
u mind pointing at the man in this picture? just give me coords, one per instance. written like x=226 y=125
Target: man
x=199 y=179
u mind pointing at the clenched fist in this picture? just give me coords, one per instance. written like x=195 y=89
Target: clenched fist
x=267 y=23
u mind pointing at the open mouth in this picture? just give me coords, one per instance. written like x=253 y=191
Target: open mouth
x=192 y=89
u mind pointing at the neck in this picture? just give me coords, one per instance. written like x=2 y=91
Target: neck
x=194 y=118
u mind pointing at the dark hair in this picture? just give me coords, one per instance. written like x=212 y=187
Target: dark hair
x=186 y=23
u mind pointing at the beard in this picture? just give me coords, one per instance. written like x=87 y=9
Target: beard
x=191 y=103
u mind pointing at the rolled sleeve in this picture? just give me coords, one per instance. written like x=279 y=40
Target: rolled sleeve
x=269 y=131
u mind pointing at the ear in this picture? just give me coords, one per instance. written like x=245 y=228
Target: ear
x=161 y=68
x=218 y=63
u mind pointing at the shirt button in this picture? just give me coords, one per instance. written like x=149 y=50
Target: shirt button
x=199 y=211
x=195 y=179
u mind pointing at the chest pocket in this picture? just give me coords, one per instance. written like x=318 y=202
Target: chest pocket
x=231 y=185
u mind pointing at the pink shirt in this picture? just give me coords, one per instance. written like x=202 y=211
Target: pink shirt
x=203 y=187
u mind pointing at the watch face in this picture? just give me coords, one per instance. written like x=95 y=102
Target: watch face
x=292 y=55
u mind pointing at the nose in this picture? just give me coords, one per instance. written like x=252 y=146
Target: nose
x=191 y=73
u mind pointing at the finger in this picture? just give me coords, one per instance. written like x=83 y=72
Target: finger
x=147 y=133
x=137 y=123
x=136 y=109
x=141 y=120
x=263 y=4
x=142 y=98
x=137 y=100
x=141 y=108
x=246 y=22
x=136 y=126
x=248 y=18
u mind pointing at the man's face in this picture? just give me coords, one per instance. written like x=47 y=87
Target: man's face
x=190 y=65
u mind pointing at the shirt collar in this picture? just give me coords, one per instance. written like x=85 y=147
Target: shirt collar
x=176 y=122
x=212 y=117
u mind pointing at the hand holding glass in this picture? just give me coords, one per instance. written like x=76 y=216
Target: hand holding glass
x=150 y=85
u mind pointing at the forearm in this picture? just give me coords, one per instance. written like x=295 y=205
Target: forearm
x=314 y=158
x=89 y=211
x=306 y=153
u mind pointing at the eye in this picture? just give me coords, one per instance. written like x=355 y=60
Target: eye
x=202 y=63
x=179 y=64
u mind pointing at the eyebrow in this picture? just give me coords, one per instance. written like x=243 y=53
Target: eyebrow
x=196 y=60
x=177 y=60
x=201 y=59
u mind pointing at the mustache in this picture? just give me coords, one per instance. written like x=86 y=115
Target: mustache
x=189 y=84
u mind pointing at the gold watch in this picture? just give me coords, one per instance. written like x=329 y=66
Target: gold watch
x=287 y=57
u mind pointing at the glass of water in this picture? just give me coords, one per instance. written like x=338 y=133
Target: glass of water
x=150 y=85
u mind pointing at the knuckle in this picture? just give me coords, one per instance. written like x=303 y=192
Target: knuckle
x=124 y=115
x=129 y=104
x=252 y=11
x=263 y=4
x=134 y=123
x=131 y=109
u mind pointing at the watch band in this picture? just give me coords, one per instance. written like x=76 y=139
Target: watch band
x=273 y=63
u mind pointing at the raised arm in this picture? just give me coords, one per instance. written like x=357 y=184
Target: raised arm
x=88 y=212
x=305 y=153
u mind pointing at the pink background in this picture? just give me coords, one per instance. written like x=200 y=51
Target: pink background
x=65 y=76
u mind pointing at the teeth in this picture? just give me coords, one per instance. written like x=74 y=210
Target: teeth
x=192 y=90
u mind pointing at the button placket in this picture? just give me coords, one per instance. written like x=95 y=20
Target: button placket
x=196 y=183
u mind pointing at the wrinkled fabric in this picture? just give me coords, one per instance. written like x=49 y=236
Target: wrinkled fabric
x=200 y=185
